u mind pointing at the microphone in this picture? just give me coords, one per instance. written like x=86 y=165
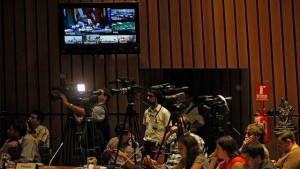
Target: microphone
x=131 y=157
x=55 y=153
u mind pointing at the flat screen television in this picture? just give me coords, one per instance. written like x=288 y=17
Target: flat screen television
x=99 y=28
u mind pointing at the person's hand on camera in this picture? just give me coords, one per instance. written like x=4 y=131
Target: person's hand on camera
x=64 y=99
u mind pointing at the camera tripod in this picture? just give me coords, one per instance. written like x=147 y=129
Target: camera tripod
x=69 y=137
x=174 y=118
x=89 y=140
x=130 y=113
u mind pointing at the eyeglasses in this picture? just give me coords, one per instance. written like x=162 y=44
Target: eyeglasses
x=249 y=133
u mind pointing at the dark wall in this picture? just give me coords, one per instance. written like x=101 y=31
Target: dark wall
x=259 y=35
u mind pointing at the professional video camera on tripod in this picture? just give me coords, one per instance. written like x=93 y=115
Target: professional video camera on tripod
x=216 y=115
x=88 y=109
x=174 y=101
x=130 y=89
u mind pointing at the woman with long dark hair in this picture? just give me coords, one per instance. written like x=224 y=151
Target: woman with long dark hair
x=191 y=155
x=227 y=150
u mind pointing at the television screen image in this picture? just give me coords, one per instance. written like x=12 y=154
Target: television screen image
x=91 y=39
x=109 y=39
x=86 y=26
x=73 y=39
x=87 y=20
x=122 y=14
x=123 y=27
x=126 y=38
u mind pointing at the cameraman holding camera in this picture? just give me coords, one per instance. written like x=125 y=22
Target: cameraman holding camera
x=97 y=111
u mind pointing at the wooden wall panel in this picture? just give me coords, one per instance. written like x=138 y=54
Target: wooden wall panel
x=9 y=55
x=289 y=53
x=254 y=54
x=277 y=51
x=186 y=43
x=122 y=71
x=297 y=47
x=32 y=55
x=42 y=55
x=208 y=32
x=111 y=75
x=175 y=34
x=2 y=69
x=197 y=33
x=265 y=50
x=88 y=72
x=242 y=34
x=164 y=33
x=219 y=31
x=231 y=41
x=20 y=55
x=153 y=34
x=144 y=38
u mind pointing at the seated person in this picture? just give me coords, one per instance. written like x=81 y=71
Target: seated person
x=39 y=131
x=20 y=145
x=41 y=135
x=191 y=155
x=286 y=143
x=255 y=132
x=171 y=143
x=254 y=154
x=129 y=151
x=227 y=151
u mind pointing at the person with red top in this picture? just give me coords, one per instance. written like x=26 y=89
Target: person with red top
x=227 y=150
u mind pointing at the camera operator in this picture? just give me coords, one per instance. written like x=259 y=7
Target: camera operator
x=192 y=110
x=97 y=111
x=155 y=120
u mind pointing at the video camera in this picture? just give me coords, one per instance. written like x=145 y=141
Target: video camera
x=128 y=86
x=217 y=102
x=216 y=109
x=167 y=89
x=75 y=95
x=173 y=98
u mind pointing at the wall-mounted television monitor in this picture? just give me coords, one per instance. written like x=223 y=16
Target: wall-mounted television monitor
x=99 y=28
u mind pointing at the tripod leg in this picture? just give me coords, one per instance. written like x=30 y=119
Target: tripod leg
x=68 y=137
x=163 y=139
x=120 y=137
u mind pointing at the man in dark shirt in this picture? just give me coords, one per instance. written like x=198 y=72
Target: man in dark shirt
x=97 y=113
x=254 y=155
